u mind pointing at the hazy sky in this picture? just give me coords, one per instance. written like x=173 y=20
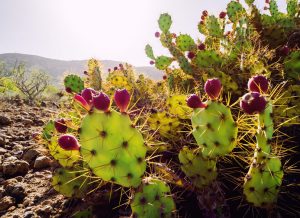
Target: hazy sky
x=107 y=30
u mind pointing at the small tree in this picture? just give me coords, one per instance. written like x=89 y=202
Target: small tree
x=30 y=83
x=4 y=74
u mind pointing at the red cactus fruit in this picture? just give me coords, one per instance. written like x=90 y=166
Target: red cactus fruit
x=203 y=17
x=222 y=15
x=68 y=90
x=259 y=84
x=201 y=46
x=165 y=77
x=101 y=102
x=115 y=68
x=85 y=72
x=68 y=142
x=191 y=55
x=253 y=102
x=267 y=1
x=284 y=51
x=205 y=13
x=213 y=87
x=174 y=35
x=122 y=99
x=152 y=62
x=88 y=94
x=157 y=34
x=108 y=69
x=194 y=102
x=201 y=22
x=60 y=125
x=79 y=99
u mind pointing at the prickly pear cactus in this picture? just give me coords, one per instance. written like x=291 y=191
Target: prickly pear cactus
x=162 y=62
x=292 y=65
x=263 y=181
x=152 y=200
x=69 y=182
x=113 y=148
x=164 y=123
x=234 y=11
x=94 y=74
x=177 y=106
x=200 y=170
x=165 y=22
x=214 y=129
x=206 y=59
x=185 y=42
x=73 y=83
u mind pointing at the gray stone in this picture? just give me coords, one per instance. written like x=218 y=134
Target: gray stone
x=6 y=203
x=42 y=162
x=15 y=168
x=30 y=155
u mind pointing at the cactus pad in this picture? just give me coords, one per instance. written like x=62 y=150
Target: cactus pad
x=262 y=182
x=48 y=130
x=74 y=83
x=214 y=129
x=165 y=22
x=234 y=11
x=69 y=182
x=163 y=62
x=149 y=52
x=113 y=148
x=292 y=65
x=273 y=8
x=177 y=106
x=205 y=59
x=291 y=7
x=213 y=27
x=185 y=42
x=200 y=170
x=153 y=200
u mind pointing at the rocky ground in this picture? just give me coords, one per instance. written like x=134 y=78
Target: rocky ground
x=25 y=166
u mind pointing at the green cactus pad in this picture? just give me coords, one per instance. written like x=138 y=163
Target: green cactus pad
x=292 y=65
x=177 y=106
x=48 y=130
x=66 y=158
x=214 y=129
x=70 y=183
x=164 y=123
x=201 y=171
x=113 y=148
x=291 y=7
x=262 y=182
x=229 y=85
x=149 y=52
x=163 y=62
x=165 y=22
x=213 y=26
x=274 y=8
x=74 y=83
x=234 y=11
x=249 y=2
x=153 y=200
x=83 y=214
x=185 y=65
x=185 y=42
x=206 y=59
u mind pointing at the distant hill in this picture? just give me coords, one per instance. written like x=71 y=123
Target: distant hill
x=56 y=68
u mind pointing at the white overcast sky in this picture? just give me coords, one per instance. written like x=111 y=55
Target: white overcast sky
x=108 y=30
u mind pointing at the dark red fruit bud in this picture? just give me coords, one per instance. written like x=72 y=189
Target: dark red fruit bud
x=284 y=51
x=88 y=94
x=201 y=46
x=68 y=142
x=203 y=17
x=121 y=65
x=68 y=90
x=152 y=62
x=85 y=72
x=109 y=69
x=122 y=99
x=201 y=22
x=267 y=1
x=101 y=102
x=115 y=68
x=252 y=103
x=222 y=15
x=266 y=8
x=258 y=84
x=165 y=77
x=204 y=13
x=194 y=102
x=213 y=87
x=174 y=35
x=60 y=125
x=157 y=34
x=191 y=55
x=79 y=99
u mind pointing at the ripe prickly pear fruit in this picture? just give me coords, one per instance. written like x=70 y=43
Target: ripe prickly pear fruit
x=222 y=15
x=79 y=99
x=101 y=102
x=213 y=88
x=284 y=51
x=252 y=103
x=201 y=46
x=195 y=102
x=68 y=142
x=191 y=55
x=122 y=99
x=157 y=34
x=87 y=94
x=258 y=84
x=60 y=125
x=152 y=62
x=205 y=13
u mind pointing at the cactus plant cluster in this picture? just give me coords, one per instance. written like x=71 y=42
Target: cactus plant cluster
x=170 y=144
